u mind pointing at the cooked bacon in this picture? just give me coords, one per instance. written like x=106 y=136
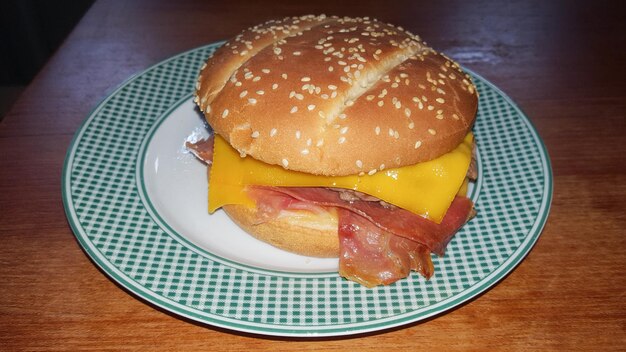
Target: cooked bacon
x=270 y=203
x=372 y=256
x=396 y=220
x=202 y=149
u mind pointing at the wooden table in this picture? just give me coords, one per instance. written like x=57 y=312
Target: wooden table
x=562 y=62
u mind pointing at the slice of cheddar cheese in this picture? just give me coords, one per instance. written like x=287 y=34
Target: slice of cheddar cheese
x=426 y=188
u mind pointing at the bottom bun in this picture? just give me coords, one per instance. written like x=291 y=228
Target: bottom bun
x=300 y=232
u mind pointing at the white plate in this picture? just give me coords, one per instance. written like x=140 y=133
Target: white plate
x=136 y=202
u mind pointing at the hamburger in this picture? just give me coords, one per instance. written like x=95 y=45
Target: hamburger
x=340 y=137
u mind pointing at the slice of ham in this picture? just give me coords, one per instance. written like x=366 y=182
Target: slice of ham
x=372 y=256
x=396 y=220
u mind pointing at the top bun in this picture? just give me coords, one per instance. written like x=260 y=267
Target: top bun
x=335 y=96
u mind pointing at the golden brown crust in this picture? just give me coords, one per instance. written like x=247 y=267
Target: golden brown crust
x=288 y=233
x=336 y=96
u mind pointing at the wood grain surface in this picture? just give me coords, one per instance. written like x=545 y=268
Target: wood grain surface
x=563 y=62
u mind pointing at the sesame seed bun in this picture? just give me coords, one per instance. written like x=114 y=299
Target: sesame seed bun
x=313 y=235
x=335 y=96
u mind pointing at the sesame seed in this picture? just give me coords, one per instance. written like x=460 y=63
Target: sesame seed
x=411 y=125
x=333 y=94
x=343 y=130
x=407 y=112
x=311 y=107
x=349 y=102
x=359 y=164
x=341 y=140
x=265 y=70
x=430 y=107
x=440 y=100
x=297 y=53
x=332 y=87
x=398 y=105
x=293 y=109
x=342 y=116
x=260 y=92
x=439 y=117
x=274 y=86
x=284 y=76
x=396 y=135
x=254 y=134
x=330 y=68
x=455 y=116
x=381 y=167
x=308 y=142
x=299 y=96
x=305 y=79
x=298 y=134
x=377 y=130
x=381 y=103
x=391 y=132
x=431 y=131
x=256 y=79
x=225 y=113
x=285 y=162
x=418 y=144
x=238 y=84
x=252 y=101
x=319 y=143
x=277 y=50
x=243 y=94
x=273 y=132
x=304 y=151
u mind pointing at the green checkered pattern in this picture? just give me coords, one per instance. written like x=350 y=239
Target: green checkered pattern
x=113 y=225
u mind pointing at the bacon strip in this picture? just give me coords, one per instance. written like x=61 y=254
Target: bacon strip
x=396 y=220
x=202 y=149
x=372 y=256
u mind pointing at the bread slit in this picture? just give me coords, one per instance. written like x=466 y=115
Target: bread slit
x=232 y=60
x=370 y=78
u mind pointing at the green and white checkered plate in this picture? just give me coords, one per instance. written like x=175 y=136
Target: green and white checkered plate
x=136 y=206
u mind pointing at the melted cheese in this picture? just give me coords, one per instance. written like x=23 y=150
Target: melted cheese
x=426 y=188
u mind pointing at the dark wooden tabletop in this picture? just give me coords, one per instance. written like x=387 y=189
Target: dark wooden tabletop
x=563 y=62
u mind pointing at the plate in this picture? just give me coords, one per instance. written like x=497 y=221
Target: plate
x=136 y=201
